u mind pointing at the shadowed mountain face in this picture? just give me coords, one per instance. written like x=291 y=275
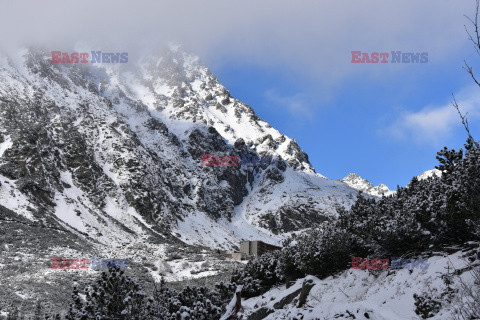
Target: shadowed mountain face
x=113 y=153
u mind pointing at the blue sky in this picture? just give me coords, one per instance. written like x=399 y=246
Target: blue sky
x=291 y=61
x=356 y=129
x=384 y=122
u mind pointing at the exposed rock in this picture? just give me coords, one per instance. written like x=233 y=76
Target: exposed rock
x=307 y=285
x=287 y=299
x=260 y=314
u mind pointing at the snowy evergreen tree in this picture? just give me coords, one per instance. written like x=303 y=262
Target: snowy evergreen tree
x=113 y=295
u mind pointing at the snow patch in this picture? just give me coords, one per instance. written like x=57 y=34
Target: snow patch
x=4 y=146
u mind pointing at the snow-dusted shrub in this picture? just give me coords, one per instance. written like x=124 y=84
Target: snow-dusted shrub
x=225 y=291
x=116 y=296
x=426 y=306
x=287 y=266
x=113 y=295
x=322 y=251
x=258 y=275
x=468 y=299
x=383 y=227
x=191 y=303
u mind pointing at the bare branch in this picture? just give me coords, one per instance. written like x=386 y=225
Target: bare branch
x=475 y=44
x=470 y=72
x=476 y=41
x=464 y=120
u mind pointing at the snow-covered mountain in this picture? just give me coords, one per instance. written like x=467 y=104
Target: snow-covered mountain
x=112 y=153
x=357 y=182
x=361 y=184
x=429 y=173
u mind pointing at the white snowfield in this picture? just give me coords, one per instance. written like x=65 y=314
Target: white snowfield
x=5 y=145
x=359 y=294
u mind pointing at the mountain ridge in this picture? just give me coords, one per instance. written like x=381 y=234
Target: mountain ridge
x=357 y=182
x=120 y=146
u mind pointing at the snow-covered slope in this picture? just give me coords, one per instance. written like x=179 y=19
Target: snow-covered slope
x=364 y=294
x=355 y=181
x=113 y=152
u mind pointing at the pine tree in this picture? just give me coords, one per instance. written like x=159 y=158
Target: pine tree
x=113 y=295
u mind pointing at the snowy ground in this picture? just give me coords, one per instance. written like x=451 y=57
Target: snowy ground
x=361 y=294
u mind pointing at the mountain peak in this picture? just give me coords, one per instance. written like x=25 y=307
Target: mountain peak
x=93 y=144
x=429 y=173
x=357 y=182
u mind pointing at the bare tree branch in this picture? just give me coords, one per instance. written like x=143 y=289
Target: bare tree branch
x=464 y=120
x=470 y=71
x=476 y=41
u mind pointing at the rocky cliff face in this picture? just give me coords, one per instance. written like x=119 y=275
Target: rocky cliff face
x=113 y=153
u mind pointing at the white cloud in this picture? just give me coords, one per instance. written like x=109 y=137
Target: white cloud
x=297 y=105
x=312 y=37
x=434 y=124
